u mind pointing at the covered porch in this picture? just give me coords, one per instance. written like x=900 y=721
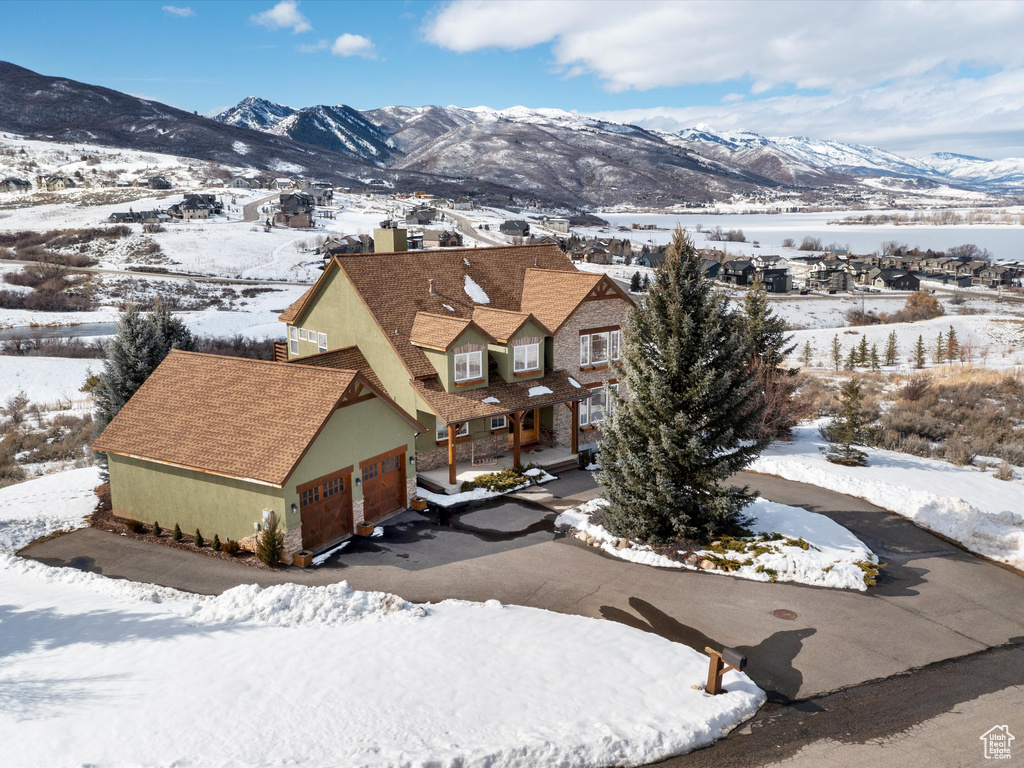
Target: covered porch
x=550 y=459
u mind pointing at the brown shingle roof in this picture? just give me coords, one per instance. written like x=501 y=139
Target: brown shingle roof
x=344 y=359
x=395 y=286
x=250 y=419
x=552 y=296
x=503 y=324
x=460 y=405
x=439 y=331
x=290 y=314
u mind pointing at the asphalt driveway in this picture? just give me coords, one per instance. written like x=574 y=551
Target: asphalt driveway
x=933 y=601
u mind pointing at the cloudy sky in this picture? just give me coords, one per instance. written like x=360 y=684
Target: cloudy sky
x=912 y=77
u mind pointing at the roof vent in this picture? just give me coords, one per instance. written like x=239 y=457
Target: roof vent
x=433 y=290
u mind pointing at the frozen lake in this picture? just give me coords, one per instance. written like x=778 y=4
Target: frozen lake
x=1003 y=241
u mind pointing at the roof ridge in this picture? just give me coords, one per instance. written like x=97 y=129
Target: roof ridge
x=256 y=360
x=444 y=317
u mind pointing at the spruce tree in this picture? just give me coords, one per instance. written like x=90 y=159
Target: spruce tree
x=634 y=283
x=892 y=350
x=863 y=353
x=177 y=532
x=770 y=345
x=849 y=427
x=876 y=363
x=685 y=360
x=270 y=542
x=837 y=353
x=940 y=349
x=851 y=360
x=805 y=356
x=647 y=283
x=919 y=353
x=198 y=538
x=952 y=346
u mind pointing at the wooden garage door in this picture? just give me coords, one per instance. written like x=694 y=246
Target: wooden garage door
x=325 y=505
x=383 y=484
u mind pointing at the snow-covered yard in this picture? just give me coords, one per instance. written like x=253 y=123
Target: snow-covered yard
x=965 y=504
x=790 y=544
x=108 y=672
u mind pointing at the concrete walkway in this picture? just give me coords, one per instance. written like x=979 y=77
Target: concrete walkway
x=933 y=601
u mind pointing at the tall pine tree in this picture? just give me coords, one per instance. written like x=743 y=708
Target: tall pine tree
x=919 y=353
x=892 y=350
x=692 y=404
x=837 y=353
x=770 y=345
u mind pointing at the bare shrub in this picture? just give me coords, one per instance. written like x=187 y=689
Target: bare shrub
x=811 y=244
x=858 y=317
x=915 y=388
x=958 y=451
x=1004 y=472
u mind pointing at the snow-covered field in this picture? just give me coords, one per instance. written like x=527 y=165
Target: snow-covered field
x=111 y=673
x=45 y=379
x=965 y=504
x=809 y=548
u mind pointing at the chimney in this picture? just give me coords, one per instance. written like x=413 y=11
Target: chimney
x=433 y=291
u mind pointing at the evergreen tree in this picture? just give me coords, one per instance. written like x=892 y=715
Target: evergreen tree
x=952 y=346
x=647 y=283
x=892 y=350
x=199 y=538
x=851 y=360
x=849 y=427
x=919 y=353
x=270 y=542
x=692 y=402
x=940 y=349
x=156 y=529
x=805 y=356
x=171 y=332
x=634 y=283
x=876 y=363
x=837 y=353
x=769 y=346
x=863 y=353
x=177 y=532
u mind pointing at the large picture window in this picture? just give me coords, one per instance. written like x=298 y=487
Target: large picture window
x=597 y=349
x=526 y=358
x=469 y=366
x=442 y=431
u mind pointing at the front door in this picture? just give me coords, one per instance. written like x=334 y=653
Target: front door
x=383 y=484
x=326 y=509
x=529 y=432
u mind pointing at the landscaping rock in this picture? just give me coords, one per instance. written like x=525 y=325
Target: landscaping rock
x=692 y=559
x=623 y=544
x=707 y=565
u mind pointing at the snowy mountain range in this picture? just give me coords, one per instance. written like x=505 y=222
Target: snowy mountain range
x=458 y=141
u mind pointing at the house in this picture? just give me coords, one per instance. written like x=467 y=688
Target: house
x=345 y=245
x=15 y=185
x=556 y=224
x=515 y=228
x=159 y=182
x=462 y=204
x=240 y=182
x=737 y=272
x=320 y=192
x=295 y=209
x=776 y=280
x=994 y=276
x=829 y=275
x=196 y=206
x=491 y=349
x=54 y=183
x=896 y=280
x=323 y=448
x=420 y=216
x=441 y=238
x=769 y=262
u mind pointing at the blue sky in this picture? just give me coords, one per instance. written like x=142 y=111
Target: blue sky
x=907 y=76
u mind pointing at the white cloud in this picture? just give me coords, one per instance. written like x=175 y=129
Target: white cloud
x=871 y=72
x=284 y=15
x=354 y=45
x=178 y=11
x=320 y=45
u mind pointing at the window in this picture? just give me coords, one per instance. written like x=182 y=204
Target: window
x=311 y=334
x=293 y=339
x=442 y=431
x=598 y=348
x=498 y=422
x=303 y=334
x=321 y=342
x=594 y=409
x=469 y=366
x=526 y=358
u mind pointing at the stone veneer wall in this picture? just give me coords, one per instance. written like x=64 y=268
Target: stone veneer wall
x=591 y=314
x=484 y=448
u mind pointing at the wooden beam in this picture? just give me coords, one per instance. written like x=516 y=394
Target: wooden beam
x=517 y=432
x=575 y=408
x=452 y=429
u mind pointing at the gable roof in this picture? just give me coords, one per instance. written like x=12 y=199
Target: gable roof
x=503 y=324
x=344 y=359
x=395 y=286
x=440 y=331
x=552 y=296
x=248 y=419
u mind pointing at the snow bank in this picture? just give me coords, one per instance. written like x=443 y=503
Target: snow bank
x=964 y=504
x=829 y=560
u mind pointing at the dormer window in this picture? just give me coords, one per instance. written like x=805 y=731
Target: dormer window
x=526 y=358
x=469 y=366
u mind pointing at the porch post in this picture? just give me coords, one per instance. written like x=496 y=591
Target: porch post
x=452 y=429
x=575 y=425
x=517 y=426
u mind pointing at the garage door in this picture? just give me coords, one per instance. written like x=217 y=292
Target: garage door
x=383 y=484
x=325 y=505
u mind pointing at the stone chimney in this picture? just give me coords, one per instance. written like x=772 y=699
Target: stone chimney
x=433 y=290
